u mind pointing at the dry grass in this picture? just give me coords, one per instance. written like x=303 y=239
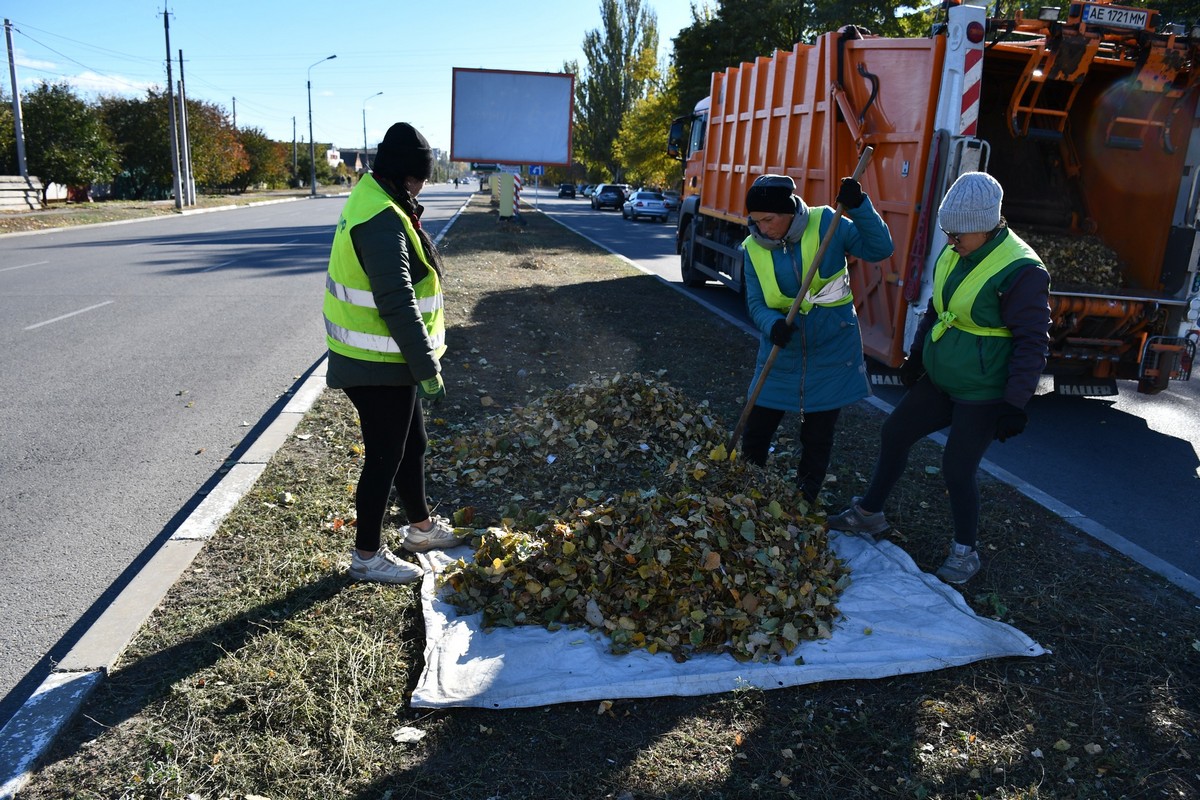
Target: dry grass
x=266 y=672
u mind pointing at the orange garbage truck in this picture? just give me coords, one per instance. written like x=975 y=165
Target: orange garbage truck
x=1088 y=122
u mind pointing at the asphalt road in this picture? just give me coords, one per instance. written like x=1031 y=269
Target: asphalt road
x=1130 y=464
x=137 y=359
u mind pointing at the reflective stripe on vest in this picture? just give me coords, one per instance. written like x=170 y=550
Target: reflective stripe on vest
x=831 y=291
x=366 y=298
x=957 y=312
x=353 y=326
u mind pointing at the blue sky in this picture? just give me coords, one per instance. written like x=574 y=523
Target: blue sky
x=254 y=56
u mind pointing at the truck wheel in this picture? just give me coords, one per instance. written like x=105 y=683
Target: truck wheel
x=687 y=268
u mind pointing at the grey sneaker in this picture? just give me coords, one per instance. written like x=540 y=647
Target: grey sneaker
x=439 y=537
x=961 y=565
x=384 y=567
x=855 y=520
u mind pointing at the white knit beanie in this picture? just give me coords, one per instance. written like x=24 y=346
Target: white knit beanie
x=972 y=205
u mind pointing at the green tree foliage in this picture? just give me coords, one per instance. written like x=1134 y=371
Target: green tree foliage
x=740 y=30
x=620 y=66
x=269 y=162
x=641 y=143
x=8 y=137
x=65 y=140
x=139 y=126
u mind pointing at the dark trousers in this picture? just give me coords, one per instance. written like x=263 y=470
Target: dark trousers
x=394 y=441
x=816 y=444
x=923 y=410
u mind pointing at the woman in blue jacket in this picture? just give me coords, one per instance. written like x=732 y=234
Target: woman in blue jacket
x=820 y=365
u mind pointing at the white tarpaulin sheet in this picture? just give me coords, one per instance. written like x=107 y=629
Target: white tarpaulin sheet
x=896 y=620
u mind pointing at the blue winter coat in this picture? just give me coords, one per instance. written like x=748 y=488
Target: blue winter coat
x=822 y=368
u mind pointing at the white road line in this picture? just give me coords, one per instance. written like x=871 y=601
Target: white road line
x=23 y=266
x=218 y=266
x=67 y=316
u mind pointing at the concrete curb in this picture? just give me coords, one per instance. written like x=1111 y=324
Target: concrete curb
x=33 y=728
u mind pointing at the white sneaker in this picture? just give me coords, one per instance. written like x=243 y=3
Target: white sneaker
x=439 y=537
x=384 y=567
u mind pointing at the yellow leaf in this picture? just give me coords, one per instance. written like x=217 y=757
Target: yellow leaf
x=604 y=707
x=718 y=453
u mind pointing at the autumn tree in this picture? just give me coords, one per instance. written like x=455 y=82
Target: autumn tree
x=66 y=141
x=215 y=149
x=139 y=127
x=641 y=142
x=269 y=161
x=620 y=64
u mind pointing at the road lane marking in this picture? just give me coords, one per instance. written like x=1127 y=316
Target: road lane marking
x=218 y=266
x=67 y=316
x=23 y=266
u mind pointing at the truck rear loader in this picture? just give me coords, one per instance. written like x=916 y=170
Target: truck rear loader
x=1089 y=123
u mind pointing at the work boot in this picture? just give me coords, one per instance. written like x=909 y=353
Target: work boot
x=961 y=565
x=855 y=520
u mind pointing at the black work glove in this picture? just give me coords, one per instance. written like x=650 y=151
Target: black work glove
x=1010 y=422
x=851 y=194
x=911 y=370
x=781 y=333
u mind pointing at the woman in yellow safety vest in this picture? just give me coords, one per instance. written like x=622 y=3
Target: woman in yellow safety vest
x=819 y=368
x=974 y=363
x=386 y=335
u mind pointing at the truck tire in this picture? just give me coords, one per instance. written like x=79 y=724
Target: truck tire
x=691 y=276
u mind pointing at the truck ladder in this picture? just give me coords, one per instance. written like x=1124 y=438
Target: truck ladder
x=1067 y=63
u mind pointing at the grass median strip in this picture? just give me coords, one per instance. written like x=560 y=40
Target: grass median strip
x=266 y=672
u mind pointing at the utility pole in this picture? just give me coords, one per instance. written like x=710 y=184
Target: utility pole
x=171 y=114
x=295 y=166
x=185 y=148
x=235 y=113
x=16 y=103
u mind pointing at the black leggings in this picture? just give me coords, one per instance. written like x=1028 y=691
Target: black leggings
x=394 y=441
x=816 y=443
x=923 y=410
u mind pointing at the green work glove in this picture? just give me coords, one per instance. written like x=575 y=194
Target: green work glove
x=432 y=389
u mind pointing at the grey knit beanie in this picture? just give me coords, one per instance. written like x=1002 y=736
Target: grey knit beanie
x=972 y=205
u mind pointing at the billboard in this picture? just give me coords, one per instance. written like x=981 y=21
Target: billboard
x=508 y=117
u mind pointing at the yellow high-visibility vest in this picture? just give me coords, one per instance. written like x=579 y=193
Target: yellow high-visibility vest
x=353 y=326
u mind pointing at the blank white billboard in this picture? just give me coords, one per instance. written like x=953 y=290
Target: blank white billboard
x=507 y=117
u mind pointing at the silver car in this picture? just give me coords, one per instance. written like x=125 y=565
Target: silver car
x=645 y=204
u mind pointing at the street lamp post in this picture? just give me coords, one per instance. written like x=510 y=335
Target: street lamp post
x=312 y=148
x=366 y=153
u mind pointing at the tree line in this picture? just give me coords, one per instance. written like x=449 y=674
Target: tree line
x=123 y=143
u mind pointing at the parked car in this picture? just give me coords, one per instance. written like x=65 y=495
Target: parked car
x=672 y=199
x=609 y=195
x=566 y=190
x=588 y=189
x=645 y=204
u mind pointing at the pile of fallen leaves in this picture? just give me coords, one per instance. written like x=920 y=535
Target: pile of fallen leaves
x=678 y=549
x=1078 y=262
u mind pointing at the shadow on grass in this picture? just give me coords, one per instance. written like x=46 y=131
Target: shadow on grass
x=134 y=687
